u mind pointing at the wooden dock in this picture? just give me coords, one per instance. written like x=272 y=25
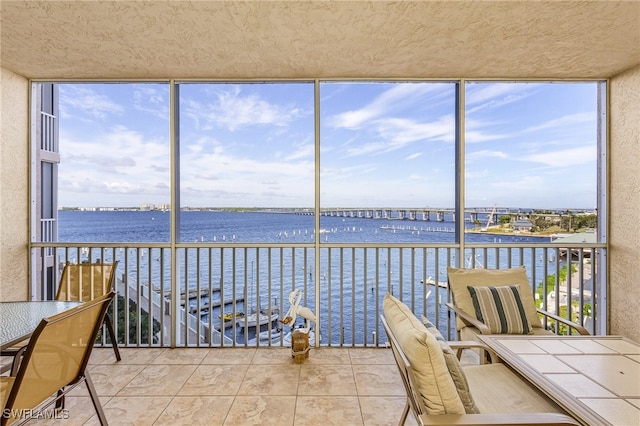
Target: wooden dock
x=214 y=304
x=192 y=293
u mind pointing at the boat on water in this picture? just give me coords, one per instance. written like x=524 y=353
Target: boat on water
x=259 y=318
x=231 y=319
x=265 y=338
x=230 y=316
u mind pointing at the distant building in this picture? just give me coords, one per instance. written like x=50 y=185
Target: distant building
x=522 y=225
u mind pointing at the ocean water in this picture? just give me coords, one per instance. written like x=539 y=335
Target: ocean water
x=361 y=276
x=255 y=227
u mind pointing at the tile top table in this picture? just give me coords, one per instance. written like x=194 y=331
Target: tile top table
x=19 y=319
x=595 y=378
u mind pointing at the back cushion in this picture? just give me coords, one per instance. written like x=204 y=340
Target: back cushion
x=435 y=385
x=500 y=308
x=455 y=369
x=460 y=279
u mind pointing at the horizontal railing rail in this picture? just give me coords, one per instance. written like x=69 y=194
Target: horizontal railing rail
x=236 y=294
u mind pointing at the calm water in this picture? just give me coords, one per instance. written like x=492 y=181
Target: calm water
x=357 y=281
x=201 y=226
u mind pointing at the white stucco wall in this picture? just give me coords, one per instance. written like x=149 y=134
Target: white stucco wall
x=14 y=199
x=624 y=218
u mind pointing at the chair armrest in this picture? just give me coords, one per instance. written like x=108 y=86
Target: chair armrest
x=460 y=345
x=17 y=354
x=580 y=329
x=522 y=419
x=469 y=320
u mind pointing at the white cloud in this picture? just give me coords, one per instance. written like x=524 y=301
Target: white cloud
x=481 y=96
x=476 y=131
x=565 y=121
x=396 y=133
x=217 y=176
x=81 y=100
x=152 y=98
x=301 y=152
x=484 y=154
x=566 y=157
x=233 y=110
x=121 y=161
x=402 y=131
x=393 y=100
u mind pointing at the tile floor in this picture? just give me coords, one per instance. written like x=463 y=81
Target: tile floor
x=241 y=386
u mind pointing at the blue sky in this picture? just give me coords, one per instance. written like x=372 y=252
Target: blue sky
x=530 y=145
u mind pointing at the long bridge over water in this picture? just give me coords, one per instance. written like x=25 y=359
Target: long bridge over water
x=485 y=214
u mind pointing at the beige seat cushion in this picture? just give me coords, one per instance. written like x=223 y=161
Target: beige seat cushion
x=434 y=383
x=497 y=389
x=460 y=279
x=471 y=333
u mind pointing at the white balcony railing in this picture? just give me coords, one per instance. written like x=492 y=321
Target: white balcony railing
x=179 y=298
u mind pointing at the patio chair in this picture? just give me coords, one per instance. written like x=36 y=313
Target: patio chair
x=516 y=313
x=440 y=391
x=54 y=362
x=81 y=283
x=85 y=281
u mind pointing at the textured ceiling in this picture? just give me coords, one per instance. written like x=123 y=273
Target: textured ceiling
x=319 y=39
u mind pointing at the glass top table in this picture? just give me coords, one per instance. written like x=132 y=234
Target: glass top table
x=595 y=378
x=19 y=319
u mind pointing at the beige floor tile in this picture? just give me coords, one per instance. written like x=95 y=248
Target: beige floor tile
x=110 y=379
x=273 y=356
x=76 y=412
x=261 y=410
x=158 y=380
x=370 y=356
x=102 y=355
x=384 y=410
x=328 y=356
x=383 y=380
x=326 y=380
x=229 y=356
x=196 y=410
x=132 y=410
x=241 y=386
x=328 y=410
x=140 y=356
x=271 y=380
x=181 y=356
x=215 y=379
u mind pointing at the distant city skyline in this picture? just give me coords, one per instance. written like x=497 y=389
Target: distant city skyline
x=529 y=145
x=484 y=209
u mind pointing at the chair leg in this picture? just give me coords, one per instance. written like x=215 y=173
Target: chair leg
x=405 y=413
x=60 y=400
x=112 y=336
x=94 y=398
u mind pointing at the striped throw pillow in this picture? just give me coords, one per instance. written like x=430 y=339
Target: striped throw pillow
x=500 y=308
